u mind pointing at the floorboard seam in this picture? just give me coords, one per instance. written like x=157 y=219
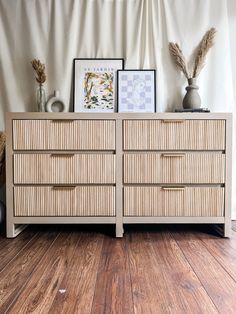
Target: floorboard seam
x=131 y=284
x=215 y=258
x=12 y=260
x=23 y=286
x=95 y=287
x=189 y=263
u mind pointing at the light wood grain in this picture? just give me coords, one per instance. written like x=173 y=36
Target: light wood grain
x=174 y=168
x=19 y=270
x=187 y=201
x=216 y=281
x=64 y=201
x=64 y=169
x=189 y=135
x=60 y=135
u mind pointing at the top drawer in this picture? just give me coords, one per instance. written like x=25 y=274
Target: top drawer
x=174 y=134
x=63 y=134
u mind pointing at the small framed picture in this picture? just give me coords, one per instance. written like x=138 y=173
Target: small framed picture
x=136 y=90
x=95 y=84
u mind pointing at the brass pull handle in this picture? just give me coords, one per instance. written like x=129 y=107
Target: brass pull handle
x=173 y=155
x=64 y=187
x=172 y=121
x=62 y=120
x=173 y=188
x=62 y=155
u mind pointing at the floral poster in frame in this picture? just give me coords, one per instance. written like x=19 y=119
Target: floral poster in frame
x=95 y=84
x=136 y=90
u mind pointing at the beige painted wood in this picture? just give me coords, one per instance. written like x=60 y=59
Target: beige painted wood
x=59 y=168
x=64 y=201
x=109 y=138
x=63 y=134
x=118 y=116
x=177 y=201
x=173 y=135
x=172 y=220
x=119 y=187
x=178 y=167
x=228 y=182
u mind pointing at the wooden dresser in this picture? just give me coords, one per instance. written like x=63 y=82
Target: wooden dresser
x=118 y=168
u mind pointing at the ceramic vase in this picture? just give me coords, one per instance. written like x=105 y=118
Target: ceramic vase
x=192 y=99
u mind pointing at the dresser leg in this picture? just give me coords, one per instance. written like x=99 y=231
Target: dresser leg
x=14 y=229
x=119 y=231
x=227 y=228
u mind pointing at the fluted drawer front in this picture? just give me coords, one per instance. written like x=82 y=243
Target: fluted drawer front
x=174 y=135
x=173 y=202
x=64 y=168
x=179 y=167
x=64 y=201
x=63 y=134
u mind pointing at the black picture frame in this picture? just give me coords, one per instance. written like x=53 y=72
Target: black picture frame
x=77 y=86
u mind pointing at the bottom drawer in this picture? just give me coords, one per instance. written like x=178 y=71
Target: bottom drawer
x=64 y=201
x=179 y=201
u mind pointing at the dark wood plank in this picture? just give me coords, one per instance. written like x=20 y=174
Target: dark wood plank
x=162 y=280
x=223 y=250
x=10 y=248
x=219 y=285
x=79 y=282
x=113 y=288
x=65 y=280
x=19 y=270
x=180 y=277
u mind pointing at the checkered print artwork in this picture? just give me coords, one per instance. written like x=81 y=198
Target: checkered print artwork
x=136 y=91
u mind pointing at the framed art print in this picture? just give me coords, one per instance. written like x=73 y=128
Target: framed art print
x=136 y=90
x=95 y=84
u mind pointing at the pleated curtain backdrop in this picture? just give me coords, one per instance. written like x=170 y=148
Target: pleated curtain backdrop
x=56 y=31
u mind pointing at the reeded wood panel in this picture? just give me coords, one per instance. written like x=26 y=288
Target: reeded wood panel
x=174 y=135
x=64 y=168
x=62 y=135
x=186 y=202
x=174 y=167
x=64 y=201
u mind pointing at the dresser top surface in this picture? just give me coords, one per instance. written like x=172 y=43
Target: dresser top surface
x=117 y=116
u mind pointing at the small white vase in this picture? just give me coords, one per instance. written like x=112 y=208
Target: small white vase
x=56 y=103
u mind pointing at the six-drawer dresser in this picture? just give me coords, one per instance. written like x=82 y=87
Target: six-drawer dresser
x=118 y=168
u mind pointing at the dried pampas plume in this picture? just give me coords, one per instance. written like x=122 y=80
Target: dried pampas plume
x=39 y=70
x=178 y=57
x=206 y=43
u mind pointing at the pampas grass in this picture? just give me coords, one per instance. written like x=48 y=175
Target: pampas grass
x=206 y=43
x=39 y=69
x=179 y=58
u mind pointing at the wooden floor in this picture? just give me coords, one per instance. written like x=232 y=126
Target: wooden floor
x=153 y=269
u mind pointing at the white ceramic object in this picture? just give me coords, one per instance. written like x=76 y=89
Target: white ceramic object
x=56 y=103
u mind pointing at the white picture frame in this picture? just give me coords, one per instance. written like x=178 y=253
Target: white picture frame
x=95 y=84
x=136 y=90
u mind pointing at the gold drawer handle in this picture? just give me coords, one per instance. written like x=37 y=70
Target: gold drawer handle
x=64 y=187
x=173 y=155
x=62 y=155
x=173 y=188
x=173 y=121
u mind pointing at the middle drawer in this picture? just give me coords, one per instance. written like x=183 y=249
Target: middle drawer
x=64 y=168
x=196 y=167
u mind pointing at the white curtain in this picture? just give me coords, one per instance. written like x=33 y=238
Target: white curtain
x=56 y=31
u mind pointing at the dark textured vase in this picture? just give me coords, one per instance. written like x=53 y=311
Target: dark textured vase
x=192 y=99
